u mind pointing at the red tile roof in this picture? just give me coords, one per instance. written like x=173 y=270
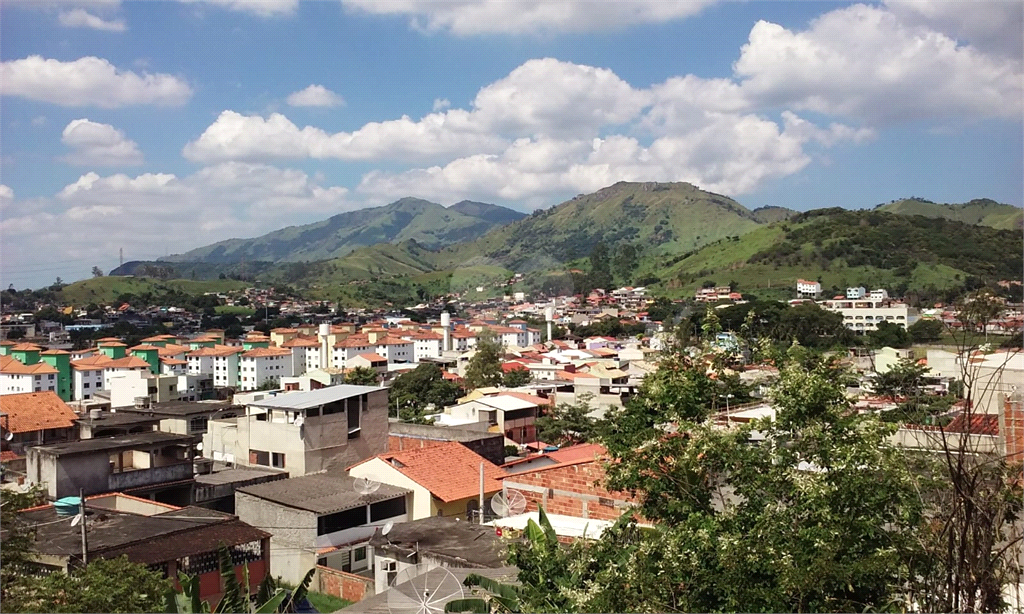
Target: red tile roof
x=35 y=411
x=128 y=362
x=301 y=342
x=450 y=471
x=92 y=362
x=26 y=347
x=980 y=424
x=13 y=366
x=264 y=352
x=54 y=353
x=9 y=455
x=372 y=357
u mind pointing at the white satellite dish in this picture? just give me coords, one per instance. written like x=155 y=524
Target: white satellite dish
x=9 y=436
x=416 y=590
x=199 y=446
x=77 y=519
x=387 y=527
x=365 y=486
x=509 y=503
x=300 y=421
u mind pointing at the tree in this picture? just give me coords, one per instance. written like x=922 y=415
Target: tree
x=425 y=385
x=925 y=330
x=484 y=367
x=904 y=379
x=362 y=376
x=104 y=585
x=568 y=423
x=888 y=334
x=517 y=377
x=600 y=267
x=97 y=272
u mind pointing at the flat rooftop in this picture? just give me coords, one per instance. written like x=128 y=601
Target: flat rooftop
x=321 y=493
x=180 y=408
x=236 y=475
x=314 y=398
x=122 y=442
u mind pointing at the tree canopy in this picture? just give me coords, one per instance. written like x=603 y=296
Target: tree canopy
x=484 y=367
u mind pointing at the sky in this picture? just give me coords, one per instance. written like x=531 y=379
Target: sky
x=157 y=127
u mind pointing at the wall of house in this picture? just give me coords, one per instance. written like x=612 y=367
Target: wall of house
x=489 y=446
x=572 y=490
x=64 y=477
x=422 y=501
x=343 y=585
x=293 y=541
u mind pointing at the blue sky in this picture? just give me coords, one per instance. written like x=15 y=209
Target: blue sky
x=161 y=126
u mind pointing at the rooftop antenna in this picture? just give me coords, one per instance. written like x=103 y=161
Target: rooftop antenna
x=508 y=503
x=366 y=486
x=416 y=591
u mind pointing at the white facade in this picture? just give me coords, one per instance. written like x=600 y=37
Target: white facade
x=225 y=370
x=396 y=352
x=11 y=383
x=864 y=315
x=856 y=293
x=878 y=295
x=200 y=365
x=85 y=382
x=342 y=354
x=806 y=288
x=254 y=371
x=426 y=348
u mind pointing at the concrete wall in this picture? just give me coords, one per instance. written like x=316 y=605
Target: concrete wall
x=63 y=477
x=145 y=477
x=292 y=545
x=404 y=436
x=931 y=439
x=343 y=585
x=572 y=490
x=422 y=505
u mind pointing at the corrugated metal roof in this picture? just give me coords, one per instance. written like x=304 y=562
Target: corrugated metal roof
x=314 y=398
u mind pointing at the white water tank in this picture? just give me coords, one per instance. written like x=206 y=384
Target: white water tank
x=549 y=313
x=446 y=323
x=94 y=414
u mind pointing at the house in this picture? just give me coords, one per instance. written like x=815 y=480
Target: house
x=322 y=518
x=165 y=538
x=864 y=315
x=30 y=419
x=313 y=380
x=444 y=479
x=411 y=549
x=17 y=377
x=304 y=432
x=263 y=365
x=408 y=436
x=513 y=414
x=369 y=360
x=808 y=289
x=150 y=464
x=567 y=482
x=185 y=417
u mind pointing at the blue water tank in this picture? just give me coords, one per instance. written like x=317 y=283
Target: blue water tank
x=68 y=506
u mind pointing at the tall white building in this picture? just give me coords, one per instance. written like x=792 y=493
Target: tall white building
x=807 y=289
x=261 y=365
x=864 y=315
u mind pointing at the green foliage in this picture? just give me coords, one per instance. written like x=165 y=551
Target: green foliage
x=888 y=334
x=926 y=330
x=484 y=368
x=904 y=379
x=425 y=385
x=362 y=376
x=105 y=585
x=568 y=423
x=517 y=377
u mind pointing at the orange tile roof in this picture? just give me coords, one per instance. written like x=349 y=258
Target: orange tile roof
x=284 y=330
x=172 y=361
x=108 y=339
x=13 y=366
x=26 y=347
x=372 y=357
x=573 y=454
x=92 y=362
x=460 y=477
x=128 y=362
x=35 y=411
x=264 y=352
x=301 y=342
x=145 y=347
x=354 y=341
x=54 y=353
x=392 y=341
x=217 y=350
x=6 y=342
x=9 y=455
x=529 y=398
x=112 y=344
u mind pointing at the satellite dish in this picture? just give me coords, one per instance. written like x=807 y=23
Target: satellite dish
x=9 y=436
x=77 y=519
x=418 y=591
x=509 y=503
x=366 y=486
x=300 y=421
x=199 y=446
x=387 y=527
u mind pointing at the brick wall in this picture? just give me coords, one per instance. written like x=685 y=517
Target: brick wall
x=488 y=445
x=570 y=490
x=344 y=585
x=1012 y=427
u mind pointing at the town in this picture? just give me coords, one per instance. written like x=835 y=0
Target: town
x=320 y=445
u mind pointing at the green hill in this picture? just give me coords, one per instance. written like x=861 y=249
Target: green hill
x=428 y=223
x=769 y=214
x=101 y=290
x=980 y=211
x=851 y=248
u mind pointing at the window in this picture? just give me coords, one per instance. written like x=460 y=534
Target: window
x=259 y=457
x=51 y=376
x=199 y=424
x=85 y=385
x=353 y=418
x=387 y=509
x=359 y=554
x=277 y=460
x=340 y=521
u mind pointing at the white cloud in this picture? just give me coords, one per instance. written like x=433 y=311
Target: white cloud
x=469 y=17
x=89 y=81
x=6 y=193
x=39 y=120
x=315 y=96
x=80 y=18
x=99 y=144
x=440 y=104
x=155 y=213
x=993 y=26
x=260 y=8
x=862 y=62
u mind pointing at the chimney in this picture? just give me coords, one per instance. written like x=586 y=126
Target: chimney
x=446 y=323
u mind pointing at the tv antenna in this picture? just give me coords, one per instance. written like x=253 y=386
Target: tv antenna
x=366 y=486
x=508 y=503
x=300 y=421
x=416 y=590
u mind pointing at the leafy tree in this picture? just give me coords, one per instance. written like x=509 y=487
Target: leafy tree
x=625 y=261
x=484 y=367
x=568 y=423
x=517 y=377
x=925 y=330
x=270 y=384
x=425 y=385
x=362 y=376
x=600 y=267
x=104 y=585
x=904 y=379
x=888 y=334
x=97 y=272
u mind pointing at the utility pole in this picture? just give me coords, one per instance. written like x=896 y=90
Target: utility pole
x=85 y=541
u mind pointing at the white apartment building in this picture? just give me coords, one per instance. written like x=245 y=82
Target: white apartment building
x=17 y=377
x=305 y=354
x=864 y=315
x=395 y=350
x=425 y=345
x=260 y=365
x=225 y=368
x=463 y=340
x=807 y=289
x=511 y=337
x=347 y=348
x=856 y=293
x=122 y=366
x=86 y=380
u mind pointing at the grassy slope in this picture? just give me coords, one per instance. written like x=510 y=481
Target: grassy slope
x=982 y=211
x=107 y=289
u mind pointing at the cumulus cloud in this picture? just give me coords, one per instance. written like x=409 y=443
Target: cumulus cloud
x=862 y=62
x=81 y=18
x=39 y=120
x=6 y=193
x=89 y=81
x=315 y=96
x=260 y=8
x=152 y=213
x=440 y=104
x=993 y=26
x=99 y=144
x=470 y=17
